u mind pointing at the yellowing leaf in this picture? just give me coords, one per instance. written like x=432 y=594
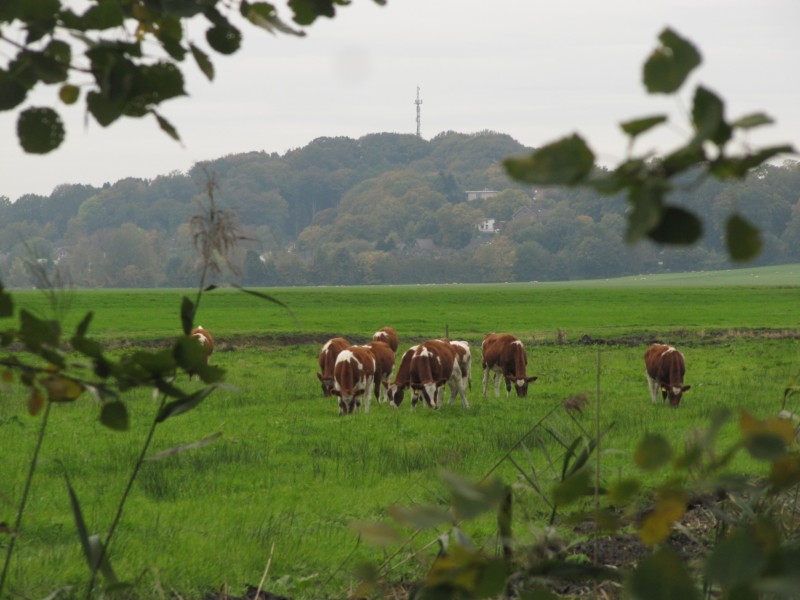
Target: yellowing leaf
x=375 y=533
x=35 y=402
x=784 y=472
x=656 y=526
x=61 y=389
x=7 y=376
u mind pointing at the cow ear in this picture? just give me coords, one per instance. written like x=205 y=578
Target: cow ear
x=686 y=388
x=319 y=376
x=337 y=393
x=532 y=379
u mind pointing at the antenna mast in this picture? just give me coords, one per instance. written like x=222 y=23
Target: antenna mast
x=418 y=102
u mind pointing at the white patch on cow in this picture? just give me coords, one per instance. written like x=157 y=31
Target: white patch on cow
x=344 y=355
x=520 y=382
x=668 y=350
x=676 y=391
x=425 y=352
x=517 y=343
x=326 y=346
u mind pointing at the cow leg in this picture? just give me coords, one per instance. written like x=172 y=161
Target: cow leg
x=367 y=394
x=653 y=385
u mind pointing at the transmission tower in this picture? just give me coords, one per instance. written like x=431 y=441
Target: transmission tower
x=418 y=102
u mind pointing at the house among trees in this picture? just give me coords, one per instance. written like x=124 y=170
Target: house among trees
x=480 y=194
x=489 y=226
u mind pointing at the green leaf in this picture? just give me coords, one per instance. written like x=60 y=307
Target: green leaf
x=677 y=226
x=742 y=239
x=307 y=11
x=708 y=118
x=178 y=407
x=639 y=126
x=765 y=446
x=647 y=201
x=92 y=547
x=420 y=517
x=185 y=447
x=573 y=488
x=187 y=315
x=568 y=161
x=114 y=415
x=739 y=167
x=203 y=62
x=167 y=127
x=40 y=130
x=105 y=14
x=661 y=576
x=670 y=64
x=103 y=109
x=624 y=490
x=736 y=559
x=83 y=326
x=224 y=38
x=6 y=303
x=472 y=499
x=264 y=15
x=12 y=91
x=378 y=534
x=784 y=472
x=36 y=333
x=751 y=121
x=69 y=94
x=652 y=452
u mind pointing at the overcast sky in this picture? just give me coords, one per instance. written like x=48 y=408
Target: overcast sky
x=534 y=69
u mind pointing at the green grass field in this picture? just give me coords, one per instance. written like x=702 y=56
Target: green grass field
x=288 y=474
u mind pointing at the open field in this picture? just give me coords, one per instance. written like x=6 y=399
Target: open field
x=288 y=475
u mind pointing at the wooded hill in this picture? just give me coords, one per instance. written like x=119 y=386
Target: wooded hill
x=385 y=208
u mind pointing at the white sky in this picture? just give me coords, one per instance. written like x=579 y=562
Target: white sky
x=534 y=69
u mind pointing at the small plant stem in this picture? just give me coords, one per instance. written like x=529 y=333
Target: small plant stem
x=24 y=500
x=124 y=498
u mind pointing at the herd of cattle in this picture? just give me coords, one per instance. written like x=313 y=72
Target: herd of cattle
x=352 y=372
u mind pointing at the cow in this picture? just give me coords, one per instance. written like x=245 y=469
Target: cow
x=353 y=375
x=665 y=369
x=387 y=335
x=206 y=341
x=464 y=358
x=327 y=359
x=435 y=363
x=402 y=379
x=384 y=365
x=504 y=355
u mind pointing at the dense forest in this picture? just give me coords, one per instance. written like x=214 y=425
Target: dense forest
x=385 y=208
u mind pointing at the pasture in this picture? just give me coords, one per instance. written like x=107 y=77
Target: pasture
x=288 y=475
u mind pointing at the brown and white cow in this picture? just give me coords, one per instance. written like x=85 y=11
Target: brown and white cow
x=435 y=363
x=327 y=359
x=206 y=341
x=402 y=379
x=464 y=359
x=387 y=335
x=504 y=355
x=665 y=369
x=353 y=376
x=384 y=365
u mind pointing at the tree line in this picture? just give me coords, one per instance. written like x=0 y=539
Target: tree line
x=381 y=209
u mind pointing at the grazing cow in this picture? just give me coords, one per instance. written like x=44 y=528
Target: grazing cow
x=435 y=363
x=464 y=358
x=402 y=379
x=387 y=335
x=327 y=360
x=384 y=365
x=503 y=354
x=206 y=341
x=353 y=375
x=665 y=369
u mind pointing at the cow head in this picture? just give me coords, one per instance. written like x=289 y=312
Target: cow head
x=327 y=384
x=348 y=402
x=674 y=393
x=426 y=391
x=521 y=385
x=395 y=393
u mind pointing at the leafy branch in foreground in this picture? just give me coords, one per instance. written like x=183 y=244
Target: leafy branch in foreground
x=648 y=181
x=103 y=54
x=754 y=550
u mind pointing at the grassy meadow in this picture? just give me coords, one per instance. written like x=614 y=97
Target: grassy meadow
x=287 y=476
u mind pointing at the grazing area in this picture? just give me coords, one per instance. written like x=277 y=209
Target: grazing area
x=276 y=494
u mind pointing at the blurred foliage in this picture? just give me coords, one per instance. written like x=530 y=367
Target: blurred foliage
x=122 y=57
x=650 y=182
